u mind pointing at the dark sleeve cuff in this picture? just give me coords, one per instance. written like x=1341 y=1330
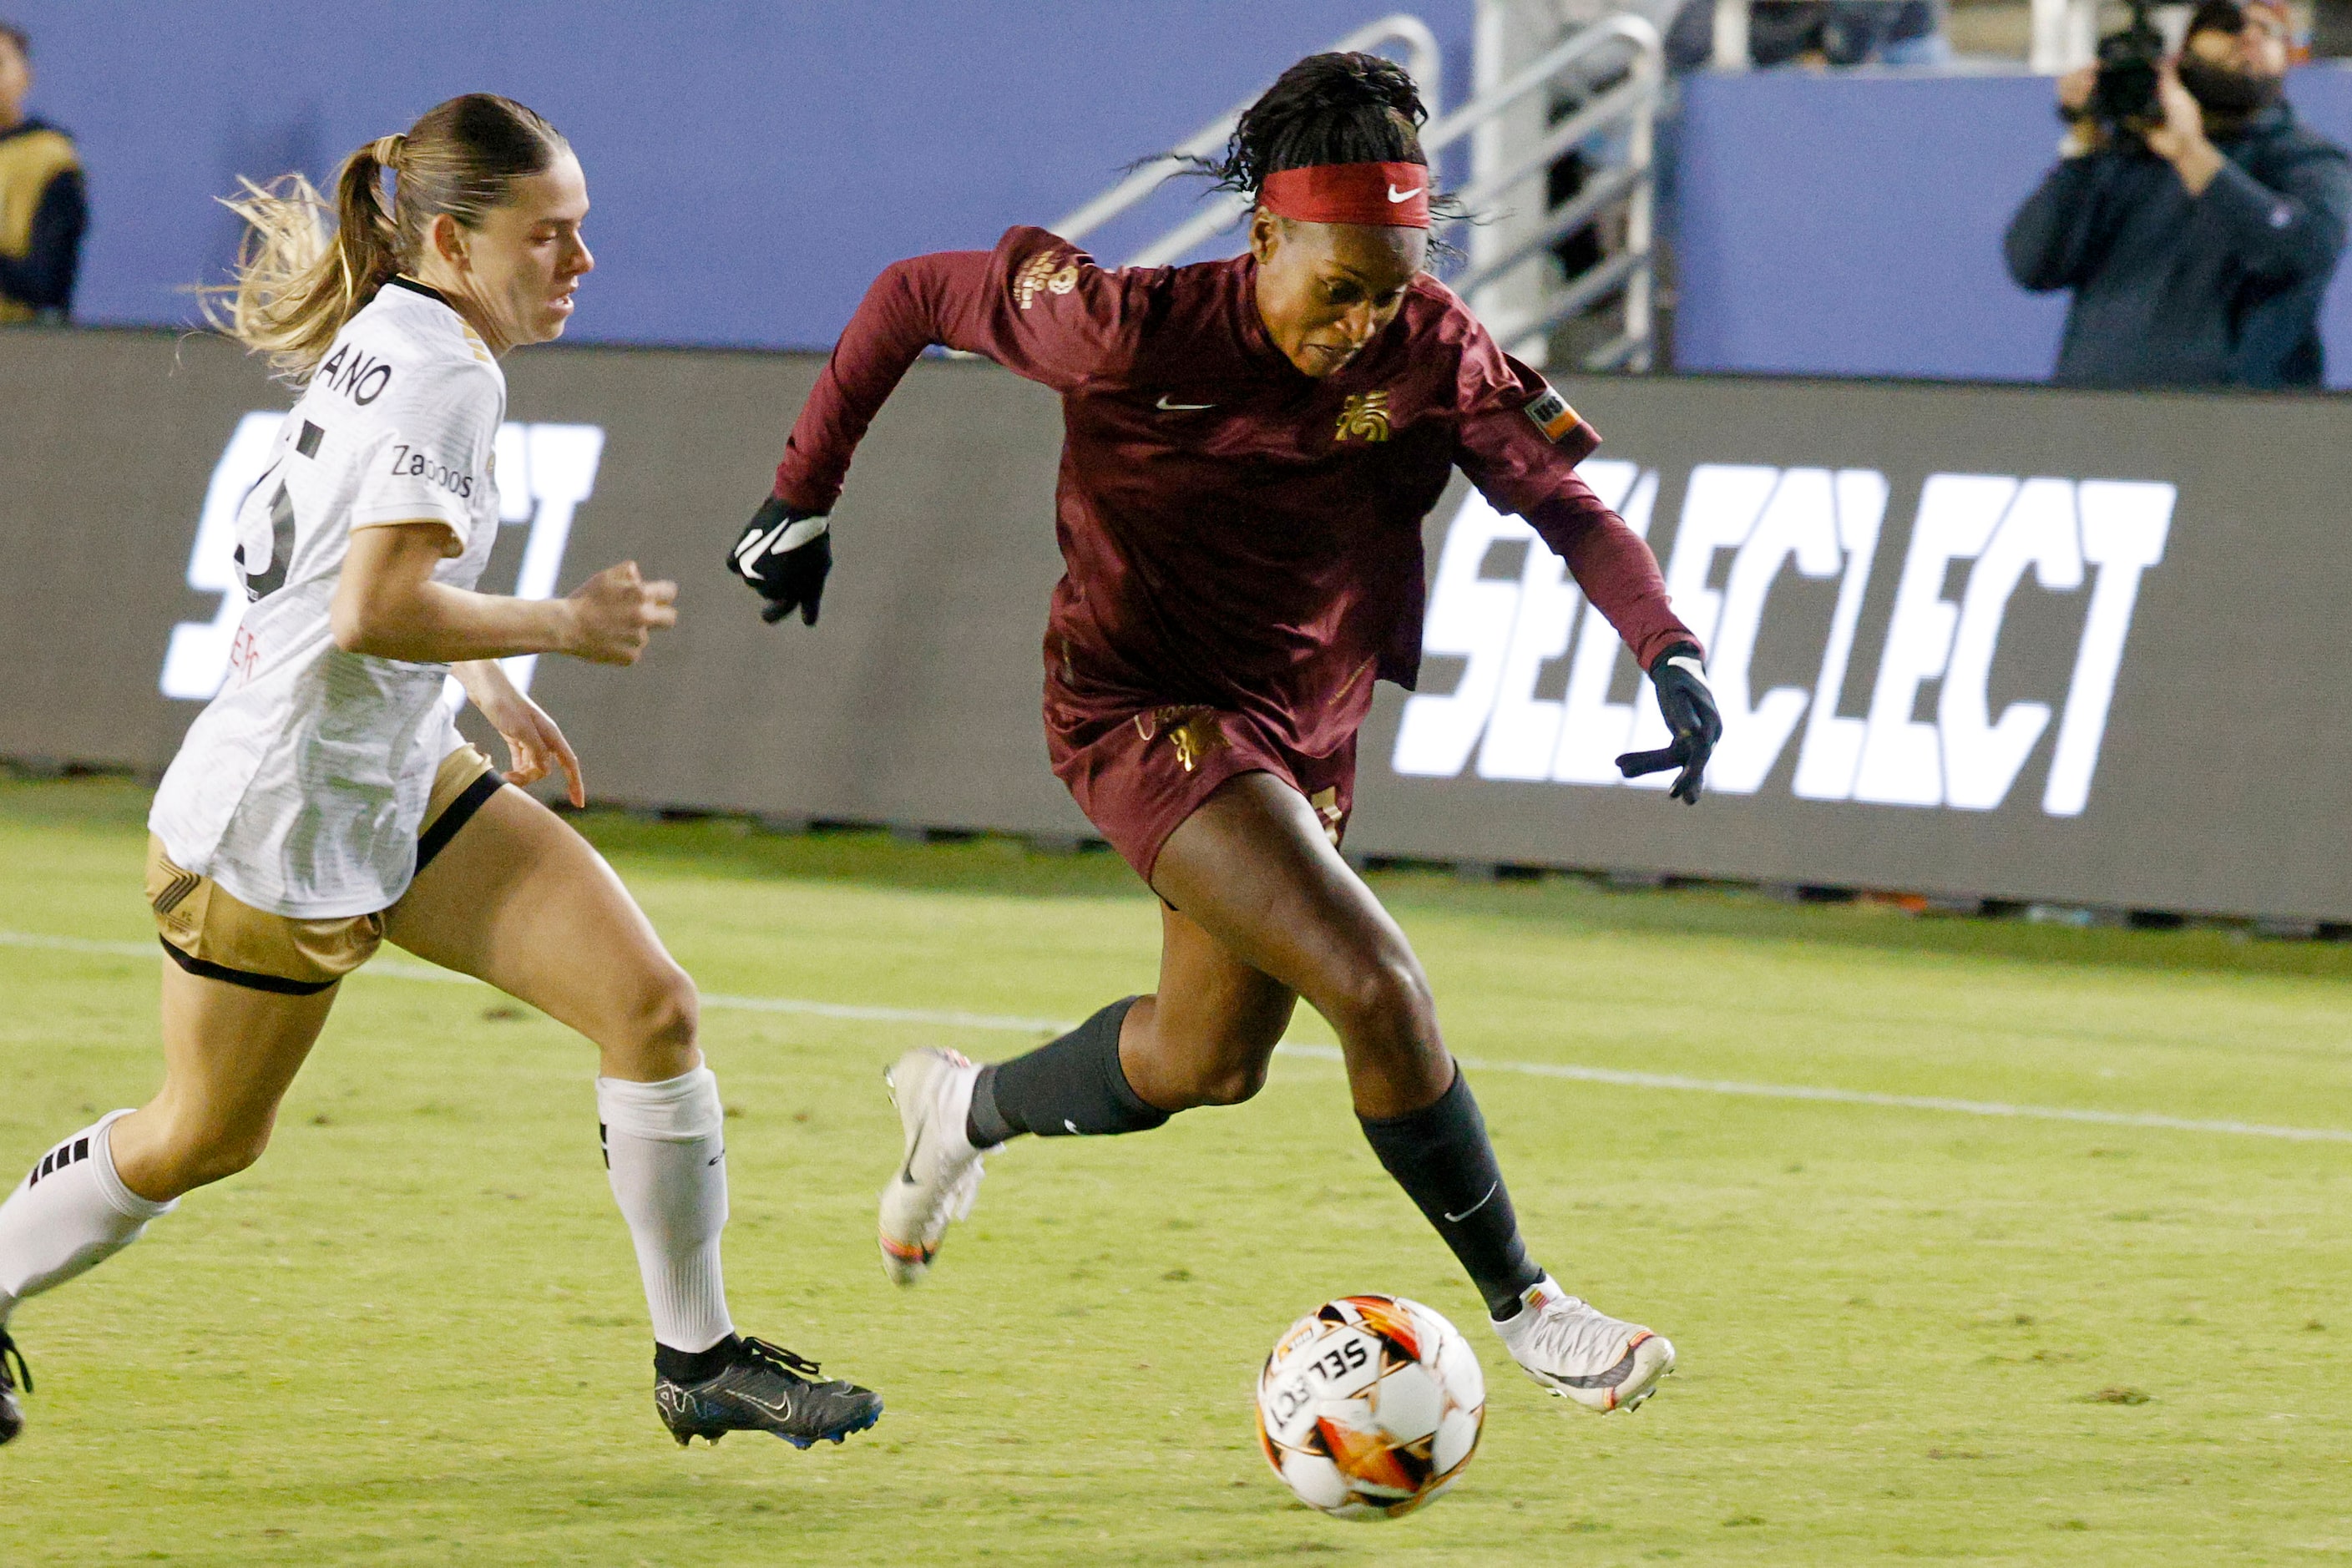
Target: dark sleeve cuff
x=1684 y=643
x=2244 y=202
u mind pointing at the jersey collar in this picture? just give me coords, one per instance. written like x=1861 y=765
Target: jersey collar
x=1249 y=326
x=403 y=280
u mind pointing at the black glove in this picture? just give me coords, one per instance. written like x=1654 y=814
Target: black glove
x=784 y=554
x=1687 y=704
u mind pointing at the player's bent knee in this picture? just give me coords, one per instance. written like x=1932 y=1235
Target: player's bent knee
x=196 y=1156
x=1387 y=996
x=1228 y=1085
x=673 y=1016
x=663 y=1023
x=229 y=1158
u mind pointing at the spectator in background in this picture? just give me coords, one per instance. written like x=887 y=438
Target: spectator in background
x=1818 y=33
x=43 y=210
x=1885 y=33
x=2198 y=247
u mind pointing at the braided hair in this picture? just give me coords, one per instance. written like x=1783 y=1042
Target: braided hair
x=1327 y=109
x=1331 y=109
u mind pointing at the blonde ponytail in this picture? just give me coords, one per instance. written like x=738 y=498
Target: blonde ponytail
x=297 y=280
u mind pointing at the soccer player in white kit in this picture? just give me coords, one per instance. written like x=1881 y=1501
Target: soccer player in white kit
x=324 y=802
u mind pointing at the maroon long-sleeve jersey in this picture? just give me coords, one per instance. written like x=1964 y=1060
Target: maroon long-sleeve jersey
x=1236 y=534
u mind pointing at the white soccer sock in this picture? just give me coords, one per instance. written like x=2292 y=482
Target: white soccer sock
x=70 y=1214
x=666 y=1151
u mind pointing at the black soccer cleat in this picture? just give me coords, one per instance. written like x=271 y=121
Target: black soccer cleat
x=12 y=1410
x=764 y=1388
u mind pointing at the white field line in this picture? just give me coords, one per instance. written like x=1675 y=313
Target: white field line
x=1864 y=1096
x=393 y=969
x=397 y=969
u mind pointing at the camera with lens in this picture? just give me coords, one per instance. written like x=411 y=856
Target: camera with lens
x=2123 y=98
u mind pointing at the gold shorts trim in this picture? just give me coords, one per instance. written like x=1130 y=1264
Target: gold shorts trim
x=209 y=932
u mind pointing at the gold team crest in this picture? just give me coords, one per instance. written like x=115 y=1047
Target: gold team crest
x=1365 y=413
x=1044 y=273
x=1194 y=731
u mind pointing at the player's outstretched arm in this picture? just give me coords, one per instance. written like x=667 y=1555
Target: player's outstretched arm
x=387 y=604
x=1036 y=305
x=1519 y=442
x=786 y=551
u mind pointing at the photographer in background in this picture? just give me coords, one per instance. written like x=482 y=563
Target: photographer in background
x=2196 y=221
x=42 y=208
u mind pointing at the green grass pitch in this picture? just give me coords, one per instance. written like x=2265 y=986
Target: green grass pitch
x=413 y=1334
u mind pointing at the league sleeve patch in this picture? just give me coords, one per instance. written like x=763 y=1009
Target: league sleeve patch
x=1552 y=414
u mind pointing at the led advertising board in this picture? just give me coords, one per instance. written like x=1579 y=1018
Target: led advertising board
x=1969 y=641
x=1982 y=641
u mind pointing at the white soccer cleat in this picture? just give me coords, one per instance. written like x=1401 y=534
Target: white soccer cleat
x=936 y=1182
x=1580 y=1353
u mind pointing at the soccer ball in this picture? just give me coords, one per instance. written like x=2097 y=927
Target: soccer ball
x=1370 y=1407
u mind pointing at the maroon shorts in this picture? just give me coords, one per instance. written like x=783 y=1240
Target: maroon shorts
x=1136 y=773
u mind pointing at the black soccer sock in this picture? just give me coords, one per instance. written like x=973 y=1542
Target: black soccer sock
x=694 y=1366
x=1441 y=1156
x=1073 y=1085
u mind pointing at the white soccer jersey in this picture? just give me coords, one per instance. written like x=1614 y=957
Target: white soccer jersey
x=302 y=787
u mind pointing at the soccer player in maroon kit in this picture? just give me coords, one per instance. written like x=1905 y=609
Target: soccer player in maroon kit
x=1252 y=447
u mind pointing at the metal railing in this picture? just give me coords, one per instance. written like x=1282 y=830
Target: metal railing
x=2066 y=35
x=1630 y=102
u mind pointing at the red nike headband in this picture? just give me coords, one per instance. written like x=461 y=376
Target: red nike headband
x=1393 y=195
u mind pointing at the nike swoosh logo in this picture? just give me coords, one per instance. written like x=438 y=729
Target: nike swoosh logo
x=1176 y=407
x=1474 y=1208
x=787 y=535
x=1398 y=195
x=716 y=1158
x=906 y=1171
x=751 y=549
x=1610 y=1379
x=781 y=1411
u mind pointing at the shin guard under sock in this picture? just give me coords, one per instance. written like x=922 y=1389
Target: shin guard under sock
x=666 y=1150
x=1073 y=1085
x=1441 y=1156
x=70 y=1213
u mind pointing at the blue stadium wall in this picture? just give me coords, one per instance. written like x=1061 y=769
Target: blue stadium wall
x=752 y=166
x=1852 y=225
